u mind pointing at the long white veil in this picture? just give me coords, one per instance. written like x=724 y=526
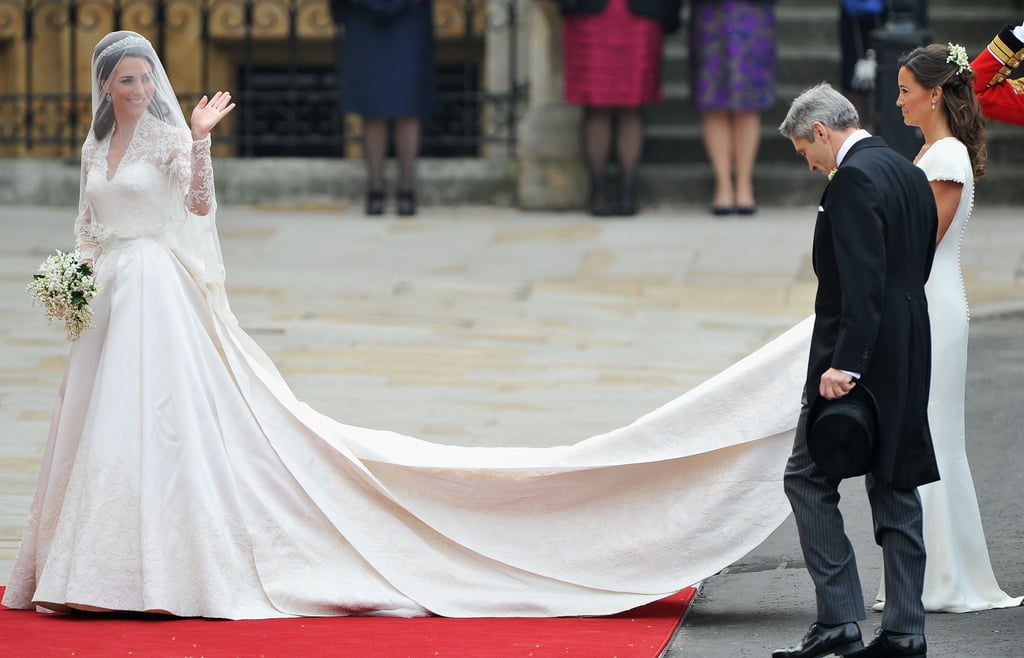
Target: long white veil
x=162 y=137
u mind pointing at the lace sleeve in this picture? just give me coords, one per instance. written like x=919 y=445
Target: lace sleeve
x=192 y=230
x=192 y=169
x=85 y=240
x=201 y=199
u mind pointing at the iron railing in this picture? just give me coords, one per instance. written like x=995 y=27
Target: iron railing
x=279 y=59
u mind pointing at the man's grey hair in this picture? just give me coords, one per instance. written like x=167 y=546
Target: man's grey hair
x=818 y=103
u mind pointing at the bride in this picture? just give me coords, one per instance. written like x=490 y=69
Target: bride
x=182 y=475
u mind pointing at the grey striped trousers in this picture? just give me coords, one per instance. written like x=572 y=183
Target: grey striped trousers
x=829 y=555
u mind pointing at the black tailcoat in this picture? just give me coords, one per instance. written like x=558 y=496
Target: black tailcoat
x=874 y=241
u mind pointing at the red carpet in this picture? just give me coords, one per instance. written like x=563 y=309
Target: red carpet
x=640 y=633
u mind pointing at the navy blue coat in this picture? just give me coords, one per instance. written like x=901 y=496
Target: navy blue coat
x=386 y=58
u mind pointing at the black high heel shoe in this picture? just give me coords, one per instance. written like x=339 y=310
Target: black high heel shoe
x=375 y=202
x=406 y=202
x=597 y=203
x=627 y=206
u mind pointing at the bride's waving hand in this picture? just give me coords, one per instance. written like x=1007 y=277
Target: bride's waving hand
x=209 y=112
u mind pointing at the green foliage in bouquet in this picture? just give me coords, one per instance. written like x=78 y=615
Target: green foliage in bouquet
x=64 y=285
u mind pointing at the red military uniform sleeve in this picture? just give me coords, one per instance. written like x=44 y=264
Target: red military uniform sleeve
x=1001 y=97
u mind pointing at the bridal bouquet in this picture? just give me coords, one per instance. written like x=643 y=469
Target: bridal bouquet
x=64 y=285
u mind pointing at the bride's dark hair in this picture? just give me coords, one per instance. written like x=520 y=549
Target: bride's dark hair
x=104 y=64
x=931 y=67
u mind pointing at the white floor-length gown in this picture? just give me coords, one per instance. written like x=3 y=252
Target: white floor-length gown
x=958 y=574
x=182 y=475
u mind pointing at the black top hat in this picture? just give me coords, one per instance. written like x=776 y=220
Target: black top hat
x=842 y=433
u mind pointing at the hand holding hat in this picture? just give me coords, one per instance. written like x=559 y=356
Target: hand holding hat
x=842 y=432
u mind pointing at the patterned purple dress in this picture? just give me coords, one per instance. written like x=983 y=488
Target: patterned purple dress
x=732 y=54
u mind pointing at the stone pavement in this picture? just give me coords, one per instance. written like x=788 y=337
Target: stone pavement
x=472 y=325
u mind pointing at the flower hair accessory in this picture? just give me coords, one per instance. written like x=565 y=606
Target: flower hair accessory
x=958 y=56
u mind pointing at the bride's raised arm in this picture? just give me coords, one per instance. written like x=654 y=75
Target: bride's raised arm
x=206 y=115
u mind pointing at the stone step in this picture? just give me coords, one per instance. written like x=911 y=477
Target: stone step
x=803 y=63
x=321 y=182
x=676 y=107
x=808 y=52
x=815 y=25
x=808 y=46
x=791 y=185
x=684 y=143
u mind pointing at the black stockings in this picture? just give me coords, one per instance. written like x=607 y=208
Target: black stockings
x=407 y=131
x=407 y=148
x=375 y=145
x=597 y=142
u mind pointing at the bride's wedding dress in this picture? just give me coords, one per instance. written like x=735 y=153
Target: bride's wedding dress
x=182 y=475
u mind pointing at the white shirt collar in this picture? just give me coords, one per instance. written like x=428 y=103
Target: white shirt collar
x=854 y=137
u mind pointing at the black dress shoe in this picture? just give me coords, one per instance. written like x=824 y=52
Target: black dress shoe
x=824 y=641
x=598 y=205
x=627 y=200
x=406 y=200
x=375 y=202
x=627 y=206
x=893 y=645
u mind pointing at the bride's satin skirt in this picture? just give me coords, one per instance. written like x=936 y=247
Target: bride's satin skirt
x=182 y=475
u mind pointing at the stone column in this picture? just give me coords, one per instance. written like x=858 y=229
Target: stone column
x=551 y=171
x=505 y=48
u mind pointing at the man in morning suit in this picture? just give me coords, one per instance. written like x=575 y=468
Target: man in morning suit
x=874 y=240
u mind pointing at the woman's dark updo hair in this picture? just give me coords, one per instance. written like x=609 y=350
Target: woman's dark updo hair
x=103 y=122
x=929 y=66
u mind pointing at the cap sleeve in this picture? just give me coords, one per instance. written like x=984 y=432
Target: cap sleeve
x=947 y=160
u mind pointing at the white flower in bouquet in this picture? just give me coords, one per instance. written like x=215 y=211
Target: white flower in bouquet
x=64 y=285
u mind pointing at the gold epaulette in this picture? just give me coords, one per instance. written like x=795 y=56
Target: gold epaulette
x=1007 y=49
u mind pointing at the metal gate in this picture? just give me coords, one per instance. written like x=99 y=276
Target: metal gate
x=277 y=57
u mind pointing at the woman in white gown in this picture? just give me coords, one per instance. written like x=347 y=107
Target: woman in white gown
x=936 y=95
x=181 y=475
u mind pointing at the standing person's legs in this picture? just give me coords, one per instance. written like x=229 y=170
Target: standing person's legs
x=375 y=148
x=854 y=41
x=718 y=140
x=827 y=550
x=407 y=146
x=746 y=141
x=898 y=530
x=630 y=146
x=597 y=143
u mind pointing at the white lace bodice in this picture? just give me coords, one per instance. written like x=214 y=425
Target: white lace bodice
x=162 y=176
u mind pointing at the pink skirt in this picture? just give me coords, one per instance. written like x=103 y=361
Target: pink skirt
x=612 y=59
